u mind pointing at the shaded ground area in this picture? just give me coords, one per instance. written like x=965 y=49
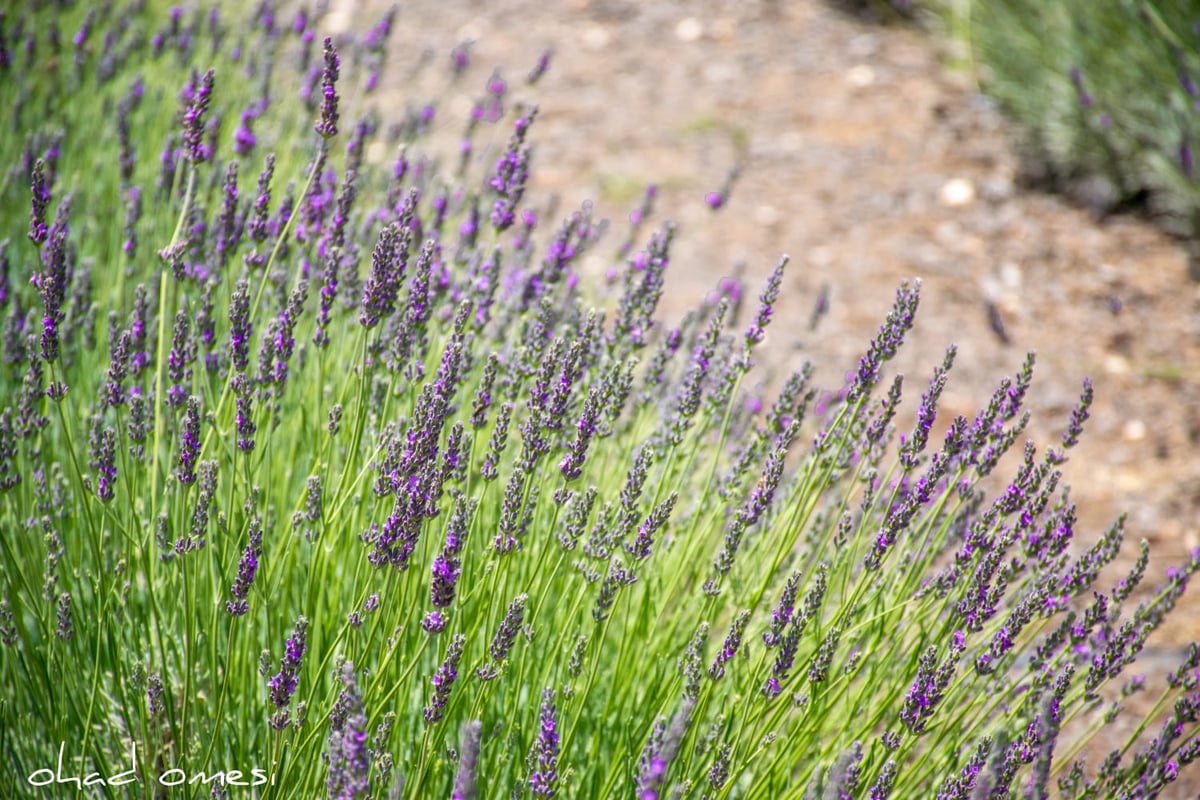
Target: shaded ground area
x=868 y=162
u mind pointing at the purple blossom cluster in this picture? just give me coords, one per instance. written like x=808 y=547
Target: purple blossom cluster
x=282 y=684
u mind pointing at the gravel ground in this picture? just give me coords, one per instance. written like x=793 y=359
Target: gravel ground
x=869 y=162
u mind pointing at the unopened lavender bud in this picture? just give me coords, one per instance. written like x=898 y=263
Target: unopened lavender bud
x=107 y=466
x=730 y=648
x=66 y=628
x=197 y=96
x=40 y=194
x=240 y=326
x=189 y=447
x=443 y=681
x=766 y=307
x=327 y=126
x=510 y=625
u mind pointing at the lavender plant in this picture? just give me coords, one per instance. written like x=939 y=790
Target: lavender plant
x=324 y=477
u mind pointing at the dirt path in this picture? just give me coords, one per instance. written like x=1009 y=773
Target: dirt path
x=868 y=162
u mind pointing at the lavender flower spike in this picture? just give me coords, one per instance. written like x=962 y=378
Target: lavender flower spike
x=1078 y=416
x=327 y=126
x=443 y=681
x=757 y=329
x=189 y=450
x=468 y=761
x=40 y=191
x=349 y=755
x=511 y=172
x=544 y=781
x=283 y=684
x=197 y=94
x=247 y=569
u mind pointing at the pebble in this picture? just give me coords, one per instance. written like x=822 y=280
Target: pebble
x=1134 y=430
x=689 y=29
x=956 y=193
x=596 y=37
x=860 y=76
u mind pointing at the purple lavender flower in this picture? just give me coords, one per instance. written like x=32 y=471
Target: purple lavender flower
x=512 y=170
x=197 y=534
x=256 y=225
x=460 y=57
x=66 y=628
x=730 y=648
x=388 y=262
x=443 y=681
x=468 y=761
x=781 y=615
x=927 y=412
x=716 y=200
x=327 y=126
x=10 y=451
x=246 y=426
x=544 y=780
x=107 y=465
x=446 y=567
x=183 y=352
x=228 y=231
x=757 y=329
x=189 y=448
x=240 y=326
x=539 y=69
x=133 y=212
x=660 y=750
x=644 y=541
x=505 y=636
x=1085 y=99
x=643 y=288
x=349 y=754
x=882 y=788
x=687 y=401
x=51 y=281
x=112 y=394
x=571 y=465
x=1078 y=416
x=40 y=200
x=244 y=139
x=929 y=687
x=247 y=569
x=282 y=685
x=196 y=97
x=887 y=341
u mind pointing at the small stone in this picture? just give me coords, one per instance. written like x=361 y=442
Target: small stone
x=1134 y=430
x=1011 y=275
x=689 y=29
x=596 y=37
x=766 y=215
x=956 y=193
x=860 y=76
x=1116 y=365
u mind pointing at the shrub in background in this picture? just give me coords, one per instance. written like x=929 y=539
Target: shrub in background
x=322 y=478
x=1105 y=94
